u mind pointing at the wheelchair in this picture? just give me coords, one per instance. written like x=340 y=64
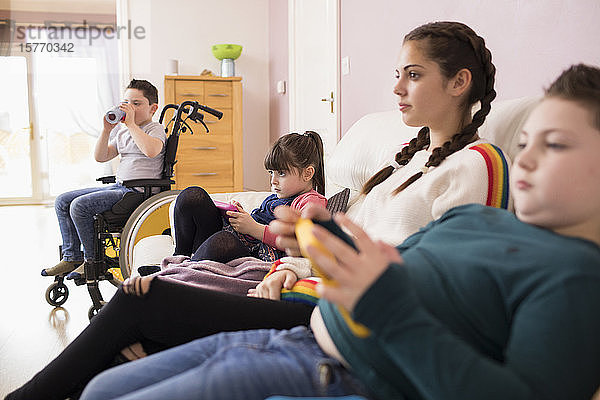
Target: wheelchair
x=137 y=215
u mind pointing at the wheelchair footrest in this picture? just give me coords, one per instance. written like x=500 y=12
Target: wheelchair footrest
x=79 y=281
x=107 y=276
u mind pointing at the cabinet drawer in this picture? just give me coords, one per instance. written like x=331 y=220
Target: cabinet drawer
x=218 y=94
x=189 y=90
x=204 y=149
x=205 y=173
x=208 y=188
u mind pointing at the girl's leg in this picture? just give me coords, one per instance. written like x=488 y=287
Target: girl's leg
x=236 y=365
x=83 y=209
x=170 y=314
x=195 y=218
x=222 y=247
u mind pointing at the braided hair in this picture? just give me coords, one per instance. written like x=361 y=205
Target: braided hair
x=453 y=46
x=298 y=151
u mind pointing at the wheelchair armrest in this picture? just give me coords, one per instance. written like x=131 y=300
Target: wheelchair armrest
x=148 y=182
x=107 y=179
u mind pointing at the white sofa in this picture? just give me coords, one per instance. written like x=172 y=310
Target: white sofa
x=367 y=145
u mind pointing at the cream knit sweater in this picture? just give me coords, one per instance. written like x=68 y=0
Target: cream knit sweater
x=461 y=178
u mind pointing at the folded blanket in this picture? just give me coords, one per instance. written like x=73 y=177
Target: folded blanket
x=235 y=277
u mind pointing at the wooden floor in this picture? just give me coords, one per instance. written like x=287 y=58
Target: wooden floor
x=31 y=331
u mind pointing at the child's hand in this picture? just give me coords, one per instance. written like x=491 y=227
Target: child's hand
x=285 y=225
x=107 y=126
x=129 y=114
x=243 y=222
x=270 y=287
x=354 y=272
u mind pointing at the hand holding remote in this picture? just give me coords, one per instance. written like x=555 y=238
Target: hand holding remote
x=352 y=271
x=305 y=238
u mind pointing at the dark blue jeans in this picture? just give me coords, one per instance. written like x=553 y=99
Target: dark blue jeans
x=233 y=365
x=75 y=211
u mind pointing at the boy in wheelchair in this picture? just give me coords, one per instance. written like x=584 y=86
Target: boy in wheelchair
x=140 y=142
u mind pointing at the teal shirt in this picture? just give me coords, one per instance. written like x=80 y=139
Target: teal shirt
x=484 y=307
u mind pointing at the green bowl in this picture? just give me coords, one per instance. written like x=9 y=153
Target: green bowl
x=221 y=51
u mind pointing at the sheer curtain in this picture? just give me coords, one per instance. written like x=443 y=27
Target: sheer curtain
x=100 y=57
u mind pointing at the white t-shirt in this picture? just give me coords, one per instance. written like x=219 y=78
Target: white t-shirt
x=461 y=178
x=134 y=164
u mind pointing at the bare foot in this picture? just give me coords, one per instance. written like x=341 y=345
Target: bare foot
x=134 y=352
x=137 y=285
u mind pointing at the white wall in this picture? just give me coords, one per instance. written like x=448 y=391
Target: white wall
x=531 y=42
x=185 y=30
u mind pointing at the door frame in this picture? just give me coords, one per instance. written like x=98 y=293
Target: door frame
x=293 y=93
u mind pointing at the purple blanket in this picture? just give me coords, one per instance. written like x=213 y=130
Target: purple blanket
x=235 y=277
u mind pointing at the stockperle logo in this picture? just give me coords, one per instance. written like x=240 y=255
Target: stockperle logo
x=11 y=31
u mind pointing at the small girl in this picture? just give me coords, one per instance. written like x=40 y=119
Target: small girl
x=295 y=163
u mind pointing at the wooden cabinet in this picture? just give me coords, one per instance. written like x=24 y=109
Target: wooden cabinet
x=211 y=160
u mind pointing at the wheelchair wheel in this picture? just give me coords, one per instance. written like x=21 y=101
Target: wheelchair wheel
x=93 y=311
x=150 y=218
x=57 y=294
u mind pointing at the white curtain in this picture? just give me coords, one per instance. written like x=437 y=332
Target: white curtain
x=97 y=61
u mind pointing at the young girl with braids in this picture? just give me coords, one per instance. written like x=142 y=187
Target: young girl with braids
x=444 y=69
x=480 y=304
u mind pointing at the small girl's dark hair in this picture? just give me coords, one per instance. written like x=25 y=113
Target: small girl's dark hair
x=453 y=46
x=298 y=151
x=149 y=90
x=579 y=83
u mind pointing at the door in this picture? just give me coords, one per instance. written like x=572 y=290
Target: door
x=314 y=68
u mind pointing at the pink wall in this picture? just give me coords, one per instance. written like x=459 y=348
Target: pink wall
x=531 y=42
x=278 y=68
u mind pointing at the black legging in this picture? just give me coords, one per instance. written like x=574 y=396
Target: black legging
x=168 y=315
x=198 y=229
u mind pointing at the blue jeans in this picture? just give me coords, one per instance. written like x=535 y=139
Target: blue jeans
x=75 y=211
x=231 y=365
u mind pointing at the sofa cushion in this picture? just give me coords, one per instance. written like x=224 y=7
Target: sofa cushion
x=365 y=147
x=503 y=125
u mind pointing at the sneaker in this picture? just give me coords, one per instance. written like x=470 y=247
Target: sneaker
x=146 y=270
x=61 y=268
x=78 y=273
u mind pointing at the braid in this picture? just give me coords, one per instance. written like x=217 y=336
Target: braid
x=446 y=41
x=403 y=157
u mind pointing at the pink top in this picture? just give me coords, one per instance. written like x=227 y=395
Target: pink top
x=299 y=203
